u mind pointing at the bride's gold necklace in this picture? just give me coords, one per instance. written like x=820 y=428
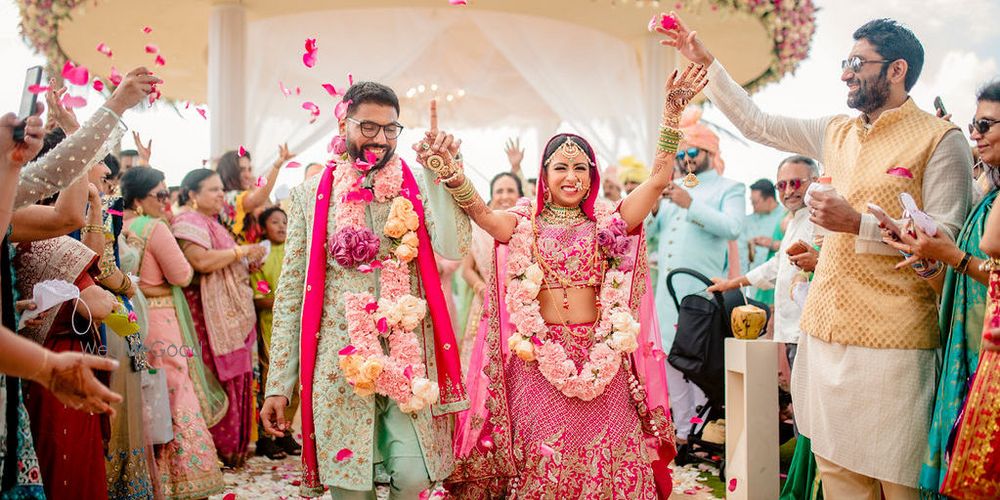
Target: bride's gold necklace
x=556 y=215
x=564 y=281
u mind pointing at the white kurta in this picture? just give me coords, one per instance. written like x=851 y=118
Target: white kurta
x=868 y=410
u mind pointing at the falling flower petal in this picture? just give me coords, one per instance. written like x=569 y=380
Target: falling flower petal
x=371 y=307
x=330 y=89
x=241 y=152
x=263 y=287
x=261 y=181
x=160 y=61
x=37 y=89
x=696 y=420
x=732 y=485
x=652 y=23
x=337 y=145
x=341 y=110
x=187 y=104
x=147 y=30
x=293 y=164
x=350 y=79
x=371 y=158
x=77 y=75
x=668 y=22
x=382 y=325
x=201 y=111
x=116 y=77
x=347 y=350
x=98 y=85
x=313 y=110
x=458 y=2
x=104 y=49
x=284 y=90
x=408 y=372
x=112 y=211
x=298 y=90
x=71 y=102
x=900 y=172
x=309 y=59
x=344 y=454
x=152 y=49
x=310 y=45
x=545 y=450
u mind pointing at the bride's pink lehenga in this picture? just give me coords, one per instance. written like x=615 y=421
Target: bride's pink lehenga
x=522 y=437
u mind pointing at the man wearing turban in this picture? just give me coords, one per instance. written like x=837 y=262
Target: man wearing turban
x=694 y=226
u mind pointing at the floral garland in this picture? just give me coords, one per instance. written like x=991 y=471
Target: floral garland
x=401 y=374
x=617 y=329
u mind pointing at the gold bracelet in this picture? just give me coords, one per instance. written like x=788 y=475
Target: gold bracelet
x=92 y=228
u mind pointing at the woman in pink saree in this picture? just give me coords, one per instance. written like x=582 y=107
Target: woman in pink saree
x=567 y=388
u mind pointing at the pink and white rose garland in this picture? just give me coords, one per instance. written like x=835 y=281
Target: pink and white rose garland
x=616 y=331
x=401 y=374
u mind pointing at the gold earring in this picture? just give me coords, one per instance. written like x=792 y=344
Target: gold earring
x=139 y=210
x=194 y=204
x=548 y=196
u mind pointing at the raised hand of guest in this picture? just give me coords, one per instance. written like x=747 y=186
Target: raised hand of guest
x=62 y=116
x=284 y=155
x=515 y=153
x=135 y=87
x=14 y=154
x=145 y=151
x=685 y=41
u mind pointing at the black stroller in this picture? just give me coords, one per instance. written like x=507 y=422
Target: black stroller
x=699 y=353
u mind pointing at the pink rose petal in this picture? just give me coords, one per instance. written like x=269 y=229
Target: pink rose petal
x=201 y=111
x=371 y=307
x=160 y=61
x=408 y=372
x=341 y=110
x=344 y=454
x=284 y=90
x=668 y=22
x=350 y=79
x=900 y=172
x=104 y=49
x=241 y=152
x=371 y=158
x=535 y=340
x=298 y=90
x=116 y=77
x=337 y=146
x=112 y=211
x=261 y=181
x=229 y=496
x=309 y=59
x=310 y=45
x=330 y=89
x=458 y=2
x=152 y=49
x=365 y=269
x=72 y=102
x=98 y=85
x=545 y=450
x=77 y=75
x=651 y=26
x=37 y=89
x=147 y=30
x=263 y=287
x=382 y=325
x=347 y=351
x=732 y=485
x=293 y=164
x=696 y=420
x=313 y=110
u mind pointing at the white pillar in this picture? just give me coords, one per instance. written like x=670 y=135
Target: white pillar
x=751 y=419
x=226 y=77
x=657 y=62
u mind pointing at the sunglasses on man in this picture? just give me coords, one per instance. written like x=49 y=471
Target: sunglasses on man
x=795 y=184
x=854 y=64
x=982 y=125
x=689 y=152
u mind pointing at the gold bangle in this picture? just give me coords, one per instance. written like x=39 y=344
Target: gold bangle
x=92 y=228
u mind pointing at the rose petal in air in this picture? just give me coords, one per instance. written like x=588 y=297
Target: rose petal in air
x=309 y=59
x=241 y=152
x=651 y=26
x=261 y=181
x=338 y=145
x=37 y=89
x=313 y=110
x=330 y=89
x=71 y=102
x=201 y=111
x=732 y=485
x=545 y=450
x=104 y=49
x=112 y=211
x=152 y=49
x=77 y=75
x=341 y=110
x=147 y=30
x=350 y=79
x=263 y=287
x=293 y=164
x=310 y=45
x=98 y=85
x=347 y=350
x=696 y=420
x=344 y=454
x=668 y=22
x=160 y=61
x=284 y=90
x=458 y=2
x=116 y=77
x=900 y=172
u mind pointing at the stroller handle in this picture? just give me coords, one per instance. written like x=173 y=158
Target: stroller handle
x=701 y=277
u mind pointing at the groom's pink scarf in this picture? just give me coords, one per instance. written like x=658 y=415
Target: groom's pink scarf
x=449 y=370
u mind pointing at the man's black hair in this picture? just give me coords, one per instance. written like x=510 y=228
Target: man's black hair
x=894 y=41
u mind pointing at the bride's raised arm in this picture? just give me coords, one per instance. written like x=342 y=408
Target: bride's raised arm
x=678 y=93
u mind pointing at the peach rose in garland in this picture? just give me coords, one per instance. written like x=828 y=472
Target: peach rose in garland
x=405 y=253
x=364 y=389
x=370 y=370
x=402 y=210
x=394 y=228
x=351 y=366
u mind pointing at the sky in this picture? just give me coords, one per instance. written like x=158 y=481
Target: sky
x=960 y=40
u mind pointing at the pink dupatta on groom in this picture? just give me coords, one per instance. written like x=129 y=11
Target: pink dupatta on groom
x=446 y=352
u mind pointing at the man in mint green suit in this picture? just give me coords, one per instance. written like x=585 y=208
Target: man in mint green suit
x=694 y=226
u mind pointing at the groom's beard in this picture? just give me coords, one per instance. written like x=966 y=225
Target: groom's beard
x=354 y=152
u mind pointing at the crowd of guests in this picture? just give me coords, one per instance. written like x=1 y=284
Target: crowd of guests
x=137 y=316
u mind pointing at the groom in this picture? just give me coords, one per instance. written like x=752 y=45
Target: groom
x=360 y=319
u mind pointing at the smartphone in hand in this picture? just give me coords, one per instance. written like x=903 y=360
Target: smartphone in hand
x=28 y=100
x=939 y=106
x=885 y=221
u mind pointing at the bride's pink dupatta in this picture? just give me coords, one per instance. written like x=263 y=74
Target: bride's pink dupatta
x=446 y=352
x=483 y=443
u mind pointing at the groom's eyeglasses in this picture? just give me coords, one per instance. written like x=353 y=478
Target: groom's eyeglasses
x=370 y=129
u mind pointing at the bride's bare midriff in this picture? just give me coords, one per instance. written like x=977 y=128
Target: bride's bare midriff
x=582 y=308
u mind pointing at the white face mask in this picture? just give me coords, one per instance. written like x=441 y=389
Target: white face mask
x=48 y=294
